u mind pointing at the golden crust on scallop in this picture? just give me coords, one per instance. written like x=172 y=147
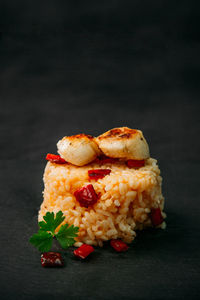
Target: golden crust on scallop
x=79 y=149
x=79 y=136
x=123 y=142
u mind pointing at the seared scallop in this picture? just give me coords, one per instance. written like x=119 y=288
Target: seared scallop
x=124 y=142
x=79 y=149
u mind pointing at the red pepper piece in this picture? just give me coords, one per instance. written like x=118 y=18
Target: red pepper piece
x=83 y=251
x=86 y=195
x=55 y=159
x=133 y=163
x=156 y=216
x=119 y=246
x=98 y=173
x=106 y=160
x=51 y=259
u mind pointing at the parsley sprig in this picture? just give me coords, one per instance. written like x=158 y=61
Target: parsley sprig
x=44 y=238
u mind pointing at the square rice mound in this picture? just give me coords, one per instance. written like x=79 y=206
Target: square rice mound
x=126 y=199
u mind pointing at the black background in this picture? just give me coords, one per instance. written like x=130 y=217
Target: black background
x=88 y=67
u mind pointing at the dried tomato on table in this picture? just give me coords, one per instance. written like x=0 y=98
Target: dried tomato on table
x=51 y=259
x=83 y=251
x=119 y=246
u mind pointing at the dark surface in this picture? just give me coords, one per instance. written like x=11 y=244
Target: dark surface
x=88 y=68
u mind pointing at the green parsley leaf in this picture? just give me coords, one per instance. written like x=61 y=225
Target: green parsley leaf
x=51 y=224
x=42 y=240
x=66 y=235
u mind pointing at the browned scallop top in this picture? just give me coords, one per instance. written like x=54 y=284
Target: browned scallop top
x=81 y=135
x=121 y=133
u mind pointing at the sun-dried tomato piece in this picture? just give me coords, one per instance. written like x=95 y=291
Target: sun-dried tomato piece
x=119 y=246
x=106 y=160
x=133 y=163
x=98 y=173
x=51 y=259
x=156 y=216
x=83 y=251
x=86 y=195
x=55 y=159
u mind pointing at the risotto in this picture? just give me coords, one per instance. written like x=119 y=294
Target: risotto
x=126 y=198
